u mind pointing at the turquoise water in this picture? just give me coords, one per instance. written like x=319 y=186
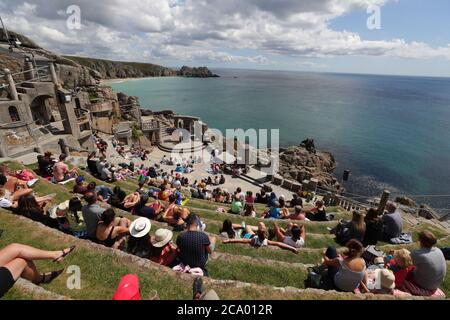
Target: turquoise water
x=390 y=131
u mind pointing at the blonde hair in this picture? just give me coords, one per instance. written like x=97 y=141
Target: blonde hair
x=403 y=258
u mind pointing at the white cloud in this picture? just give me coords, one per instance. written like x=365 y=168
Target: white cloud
x=206 y=30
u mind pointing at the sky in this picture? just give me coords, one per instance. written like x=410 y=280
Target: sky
x=401 y=37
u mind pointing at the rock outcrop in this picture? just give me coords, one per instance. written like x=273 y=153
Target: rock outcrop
x=298 y=164
x=202 y=72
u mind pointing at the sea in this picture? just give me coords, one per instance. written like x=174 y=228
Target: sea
x=391 y=132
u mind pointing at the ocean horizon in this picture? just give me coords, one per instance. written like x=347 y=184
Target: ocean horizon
x=389 y=131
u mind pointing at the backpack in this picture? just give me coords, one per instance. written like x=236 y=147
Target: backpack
x=317 y=278
x=370 y=253
x=128 y=288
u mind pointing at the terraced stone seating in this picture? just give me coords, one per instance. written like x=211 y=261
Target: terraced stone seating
x=236 y=271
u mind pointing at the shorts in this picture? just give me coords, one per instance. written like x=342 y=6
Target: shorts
x=6 y=281
x=248 y=236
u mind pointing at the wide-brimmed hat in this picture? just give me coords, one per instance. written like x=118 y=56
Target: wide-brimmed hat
x=387 y=278
x=162 y=237
x=140 y=227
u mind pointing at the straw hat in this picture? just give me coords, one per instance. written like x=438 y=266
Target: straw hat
x=162 y=237
x=140 y=227
x=387 y=279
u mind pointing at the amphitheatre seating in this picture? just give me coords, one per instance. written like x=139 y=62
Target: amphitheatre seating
x=233 y=268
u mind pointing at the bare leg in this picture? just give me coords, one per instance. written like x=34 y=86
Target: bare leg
x=249 y=230
x=16 y=267
x=31 y=273
x=14 y=251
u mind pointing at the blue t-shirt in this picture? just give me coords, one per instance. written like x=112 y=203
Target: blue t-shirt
x=274 y=213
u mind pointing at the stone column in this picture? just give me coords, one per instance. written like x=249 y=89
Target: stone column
x=30 y=75
x=12 y=85
x=53 y=75
x=3 y=153
x=383 y=202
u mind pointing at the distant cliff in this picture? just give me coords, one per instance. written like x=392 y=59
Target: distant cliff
x=118 y=69
x=108 y=69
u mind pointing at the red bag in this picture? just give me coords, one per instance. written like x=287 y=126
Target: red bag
x=128 y=288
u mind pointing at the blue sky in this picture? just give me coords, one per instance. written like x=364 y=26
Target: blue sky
x=306 y=35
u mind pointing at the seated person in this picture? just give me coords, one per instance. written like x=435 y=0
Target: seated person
x=61 y=171
x=374 y=228
x=249 y=210
x=109 y=233
x=141 y=209
x=30 y=208
x=401 y=265
x=45 y=164
x=249 y=198
x=354 y=229
x=107 y=173
x=117 y=198
x=163 y=251
x=176 y=217
x=392 y=222
x=347 y=273
x=139 y=244
x=80 y=187
x=318 y=213
x=430 y=268
x=92 y=214
x=164 y=193
x=194 y=245
x=261 y=197
x=273 y=213
x=272 y=199
x=296 y=239
x=298 y=214
x=296 y=201
x=103 y=192
x=259 y=239
x=92 y=164
x=386 y=280
x=236 y=206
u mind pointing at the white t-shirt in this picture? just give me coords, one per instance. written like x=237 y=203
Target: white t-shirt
x=296 y=244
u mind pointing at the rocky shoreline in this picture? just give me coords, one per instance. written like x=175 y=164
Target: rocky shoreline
x=298 y=164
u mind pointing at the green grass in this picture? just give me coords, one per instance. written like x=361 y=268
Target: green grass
x=102 y=269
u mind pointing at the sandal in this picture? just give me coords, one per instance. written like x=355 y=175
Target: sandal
x=50 y=276
x=64 y=254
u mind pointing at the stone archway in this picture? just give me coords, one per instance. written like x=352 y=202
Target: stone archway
x=41 y=109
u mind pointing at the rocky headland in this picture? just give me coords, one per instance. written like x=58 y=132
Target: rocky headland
x=298 y=164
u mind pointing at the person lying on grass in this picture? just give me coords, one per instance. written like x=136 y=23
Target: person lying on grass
x=17 y=261
x=259 y=239
x=295 y=237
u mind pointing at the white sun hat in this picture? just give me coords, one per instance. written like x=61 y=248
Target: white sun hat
x=140 y=227
x=162 y=237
